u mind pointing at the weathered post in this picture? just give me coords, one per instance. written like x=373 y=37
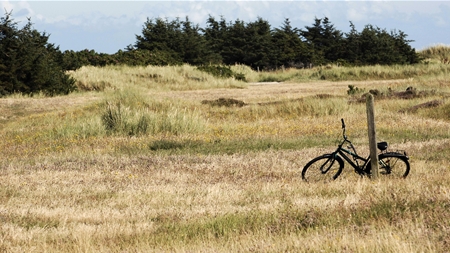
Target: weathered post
x=372 y=135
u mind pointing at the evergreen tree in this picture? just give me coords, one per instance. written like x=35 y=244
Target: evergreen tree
x=256 y=45
x=161 y=36
x=333 y=41
x=401 y=45
x=379 y=47
x=28 y=63
x=325 y=41
x=259 y=50
x=249 y=44
x=234 y=43
x=179 y=41
x=9 y=44
x=290 y=50
x=193 y=46
x=352 y=53
x=314 y=39
x=215 y=35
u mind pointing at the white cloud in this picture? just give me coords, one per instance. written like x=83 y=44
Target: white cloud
x=125 y=18
x=20 y=10
x=6 y=5
x=356 y=14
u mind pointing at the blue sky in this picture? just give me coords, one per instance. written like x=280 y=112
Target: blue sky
x=108 y=26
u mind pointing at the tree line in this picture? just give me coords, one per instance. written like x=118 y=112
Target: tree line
x=256 y=44
x=28 y=63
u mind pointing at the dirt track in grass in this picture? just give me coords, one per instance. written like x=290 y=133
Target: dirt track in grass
x=262 y=92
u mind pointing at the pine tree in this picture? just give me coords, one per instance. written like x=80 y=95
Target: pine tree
x=259 y=50
x=215 y=35
x=250 y=44
x=30 y=64
x=234 y=43
x=290 y=50
x=179 y=41
x=161 y=37
x=324 y=40
x=193 y=46
x=314 y=39
x=352 y=52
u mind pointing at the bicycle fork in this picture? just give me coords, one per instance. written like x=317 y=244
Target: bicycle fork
x=325 y=167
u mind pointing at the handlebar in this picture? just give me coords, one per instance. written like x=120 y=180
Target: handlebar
x=343 y=124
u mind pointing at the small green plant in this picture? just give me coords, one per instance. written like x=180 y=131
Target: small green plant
x=222 y=72
x=240 y=77
x=353 y=90
x=228 y=102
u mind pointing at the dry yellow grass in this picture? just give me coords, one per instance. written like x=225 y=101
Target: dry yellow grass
x=63 y=192
x=109 y=204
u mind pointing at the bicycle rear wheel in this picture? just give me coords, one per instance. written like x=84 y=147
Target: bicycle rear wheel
x=324 y=168
x=393 y=165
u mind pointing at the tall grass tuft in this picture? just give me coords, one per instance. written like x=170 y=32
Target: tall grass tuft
x=135 y=116
x=379 y=72
x=438 y=52
x=183 y=77
x=115 y=117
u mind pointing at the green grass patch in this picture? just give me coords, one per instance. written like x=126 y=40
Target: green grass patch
x=290 y=220
x=228 y=226
x=29 y=221
x=232 y=146
x=378 y=72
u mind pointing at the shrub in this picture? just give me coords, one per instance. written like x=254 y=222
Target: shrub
x=222 y=72
x=353 y=90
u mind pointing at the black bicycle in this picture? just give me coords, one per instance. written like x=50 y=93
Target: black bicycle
x=327 y=167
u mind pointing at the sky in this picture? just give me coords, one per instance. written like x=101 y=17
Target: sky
x=110 y=26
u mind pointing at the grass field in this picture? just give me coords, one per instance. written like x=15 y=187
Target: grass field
x=153 y=160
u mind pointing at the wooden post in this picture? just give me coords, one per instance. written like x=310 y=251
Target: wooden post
x=372 y=135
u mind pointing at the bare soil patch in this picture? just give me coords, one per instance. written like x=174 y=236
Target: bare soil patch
x=430 y=104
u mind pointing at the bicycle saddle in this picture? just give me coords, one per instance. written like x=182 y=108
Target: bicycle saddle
x=382 y=145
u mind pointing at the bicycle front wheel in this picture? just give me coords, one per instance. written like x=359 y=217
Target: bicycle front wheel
x=393 y=165
x=324 y=168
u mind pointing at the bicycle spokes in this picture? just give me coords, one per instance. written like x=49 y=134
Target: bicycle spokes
x=385 y=167
x=393 y=165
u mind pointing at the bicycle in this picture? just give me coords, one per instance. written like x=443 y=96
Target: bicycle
x=328 y=167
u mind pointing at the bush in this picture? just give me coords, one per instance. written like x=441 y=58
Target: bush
x=221 y=71
x=353 y=90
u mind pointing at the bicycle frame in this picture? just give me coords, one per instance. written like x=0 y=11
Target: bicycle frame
x=349 y=154
x=352 y=157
